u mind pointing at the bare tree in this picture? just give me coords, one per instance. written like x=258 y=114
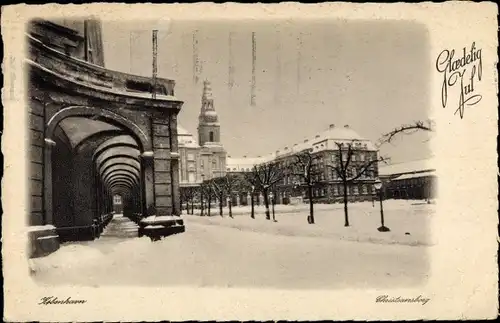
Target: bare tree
x=268 y=174
x=406 y=129
x=206 y=192
x=219 y=191
x=304 y=167
x=187 y=195
x=348 y=171
x=231 y=183
x=250 y=183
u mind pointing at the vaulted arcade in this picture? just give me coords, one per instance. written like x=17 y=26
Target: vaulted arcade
x=95 y=133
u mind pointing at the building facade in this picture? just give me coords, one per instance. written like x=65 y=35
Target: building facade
x=95 y=133
x=414 y=180
x=206 y=158
x=327 y=185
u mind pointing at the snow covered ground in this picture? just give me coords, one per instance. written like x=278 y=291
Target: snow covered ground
x=241 y=252
x=408 y=220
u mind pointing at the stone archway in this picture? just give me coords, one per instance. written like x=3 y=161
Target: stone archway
x=62 y=88
x=107 y=115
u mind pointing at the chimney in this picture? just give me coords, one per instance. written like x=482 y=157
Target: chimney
x=346 y=126
x=332 y=126
x=317 y=136
x=306 y=140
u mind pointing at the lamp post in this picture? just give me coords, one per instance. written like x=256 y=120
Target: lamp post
x=252 y=215
x=271 y=198
x=378 y=187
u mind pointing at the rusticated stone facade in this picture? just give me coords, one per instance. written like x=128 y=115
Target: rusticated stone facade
x=95 y=133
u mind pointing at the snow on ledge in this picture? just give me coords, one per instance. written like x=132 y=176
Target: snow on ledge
x=47 y=237
x=154 y=218
x=154 y=227
x=35 y=228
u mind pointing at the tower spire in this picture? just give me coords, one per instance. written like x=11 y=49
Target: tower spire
x=208 y=126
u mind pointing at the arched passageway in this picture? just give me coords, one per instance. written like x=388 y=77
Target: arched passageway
x=92 y=160
x=95 y=135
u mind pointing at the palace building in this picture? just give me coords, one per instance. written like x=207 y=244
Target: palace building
x=327 y=185
x=205 y=158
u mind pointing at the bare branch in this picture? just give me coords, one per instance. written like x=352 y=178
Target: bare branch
x=407 y=129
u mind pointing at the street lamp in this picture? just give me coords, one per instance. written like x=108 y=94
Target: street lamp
x=252 y=202
x=271 y=197
x=378 y=187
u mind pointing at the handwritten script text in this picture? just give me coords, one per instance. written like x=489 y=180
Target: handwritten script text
x=464 y=70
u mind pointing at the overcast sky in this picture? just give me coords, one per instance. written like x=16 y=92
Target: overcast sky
x=371 y=75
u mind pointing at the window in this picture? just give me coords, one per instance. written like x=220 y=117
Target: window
x=190 y=156
x=364 y=189
x=335 y=190
x=353 y=157
x=355 y=190
x=211 y=135
x=191 y=177
x=361 y=157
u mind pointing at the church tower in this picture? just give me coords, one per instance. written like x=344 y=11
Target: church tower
x=208 y=121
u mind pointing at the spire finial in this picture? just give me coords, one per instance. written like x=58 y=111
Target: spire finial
x=207 y=90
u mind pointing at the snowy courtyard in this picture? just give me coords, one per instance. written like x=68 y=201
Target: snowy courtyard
x=243 y=252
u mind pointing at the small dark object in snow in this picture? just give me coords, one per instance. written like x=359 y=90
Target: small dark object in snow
x=407 y=233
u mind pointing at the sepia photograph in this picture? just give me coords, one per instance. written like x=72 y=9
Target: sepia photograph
x=287 y=155
x=275 y=159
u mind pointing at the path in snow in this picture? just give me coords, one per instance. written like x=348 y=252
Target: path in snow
x=120 y=227
x=217 y=256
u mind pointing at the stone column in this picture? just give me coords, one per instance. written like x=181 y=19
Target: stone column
x=249 y=199
x=176 y=198
x=174 y=165
x=47 y=181
x=147 y=175
x=237 y=199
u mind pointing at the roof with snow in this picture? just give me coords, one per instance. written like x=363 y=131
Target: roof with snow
x=185 y=138
x=326 y=140
x=415 y=166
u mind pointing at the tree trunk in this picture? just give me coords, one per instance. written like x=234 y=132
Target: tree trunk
x=221 y=206
x=230 y=208
x=252 y=215
x=266 y=202
x=311 y=205
x=202 y=211
x=346 y=215
x=192 y=206
x=209 y=205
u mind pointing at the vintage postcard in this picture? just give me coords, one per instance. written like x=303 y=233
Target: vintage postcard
x=334 y=161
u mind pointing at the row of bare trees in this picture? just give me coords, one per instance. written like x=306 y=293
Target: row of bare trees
x=306 y=168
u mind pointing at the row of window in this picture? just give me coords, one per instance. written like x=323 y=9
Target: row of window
x=339 y=190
